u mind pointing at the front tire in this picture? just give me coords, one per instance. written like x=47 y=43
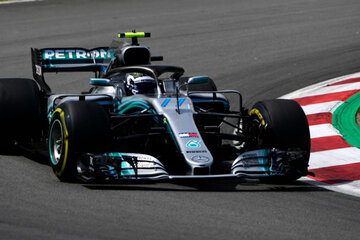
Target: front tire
x=76 y=128
x=283 y=125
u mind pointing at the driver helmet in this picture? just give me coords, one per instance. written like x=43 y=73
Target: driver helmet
x=137 y=83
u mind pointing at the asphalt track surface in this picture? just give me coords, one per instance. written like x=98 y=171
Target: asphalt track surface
x=263 y=48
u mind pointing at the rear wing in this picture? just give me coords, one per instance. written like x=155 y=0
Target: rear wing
x=67 y=60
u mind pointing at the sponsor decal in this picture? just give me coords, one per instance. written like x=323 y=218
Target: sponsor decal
x=144 y=157
x=76 y=54
x=200 y=159
x=193 y=144
x=38 y=70
x=188 y=135
x=197 y=151
x=145 y=165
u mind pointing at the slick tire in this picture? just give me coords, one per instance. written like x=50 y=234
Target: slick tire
x=76 y=128
x=286 y=128
x=19 y=110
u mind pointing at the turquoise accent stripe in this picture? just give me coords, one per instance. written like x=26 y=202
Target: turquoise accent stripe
x=105 y=102
x=124 y=164
x=165 y=102
x=49 y=112
x=50 y=106
x=100 y=82
x=133 y=104
x=264 y=160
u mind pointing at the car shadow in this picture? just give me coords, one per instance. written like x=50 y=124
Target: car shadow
x=37 y=156
x=241 y=185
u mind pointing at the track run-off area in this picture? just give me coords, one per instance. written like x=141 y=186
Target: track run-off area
x=331 y=107
x=264 y=49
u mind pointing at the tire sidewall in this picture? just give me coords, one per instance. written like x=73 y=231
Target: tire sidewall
x=62 y=168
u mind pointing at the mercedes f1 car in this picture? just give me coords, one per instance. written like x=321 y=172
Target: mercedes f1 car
x=142 y=121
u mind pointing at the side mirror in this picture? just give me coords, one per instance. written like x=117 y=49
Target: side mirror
x=198 y=80
x=193 y=80
x=100 y=82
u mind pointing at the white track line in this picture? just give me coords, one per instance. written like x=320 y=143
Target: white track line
x=19 y=1
x=323 y=130
x=307 y=90
x=321 y=107
x=330 y=89
x=334 y=157
x=350 y=188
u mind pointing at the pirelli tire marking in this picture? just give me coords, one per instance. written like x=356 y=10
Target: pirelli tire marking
x=258 y=114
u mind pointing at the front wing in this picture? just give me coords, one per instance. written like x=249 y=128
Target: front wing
x=118 y=167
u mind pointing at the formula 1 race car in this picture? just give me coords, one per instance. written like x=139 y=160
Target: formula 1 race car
x=141 y=121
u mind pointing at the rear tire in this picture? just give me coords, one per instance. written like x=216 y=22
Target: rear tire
x=285 y=127
x=20 y=117
x=76 y=128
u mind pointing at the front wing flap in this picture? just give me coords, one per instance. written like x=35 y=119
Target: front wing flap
x=269 y=162
x=119 y=166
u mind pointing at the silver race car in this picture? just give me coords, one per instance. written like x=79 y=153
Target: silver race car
x=141 y=121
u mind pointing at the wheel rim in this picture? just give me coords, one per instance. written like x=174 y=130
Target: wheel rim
x=56 y=142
